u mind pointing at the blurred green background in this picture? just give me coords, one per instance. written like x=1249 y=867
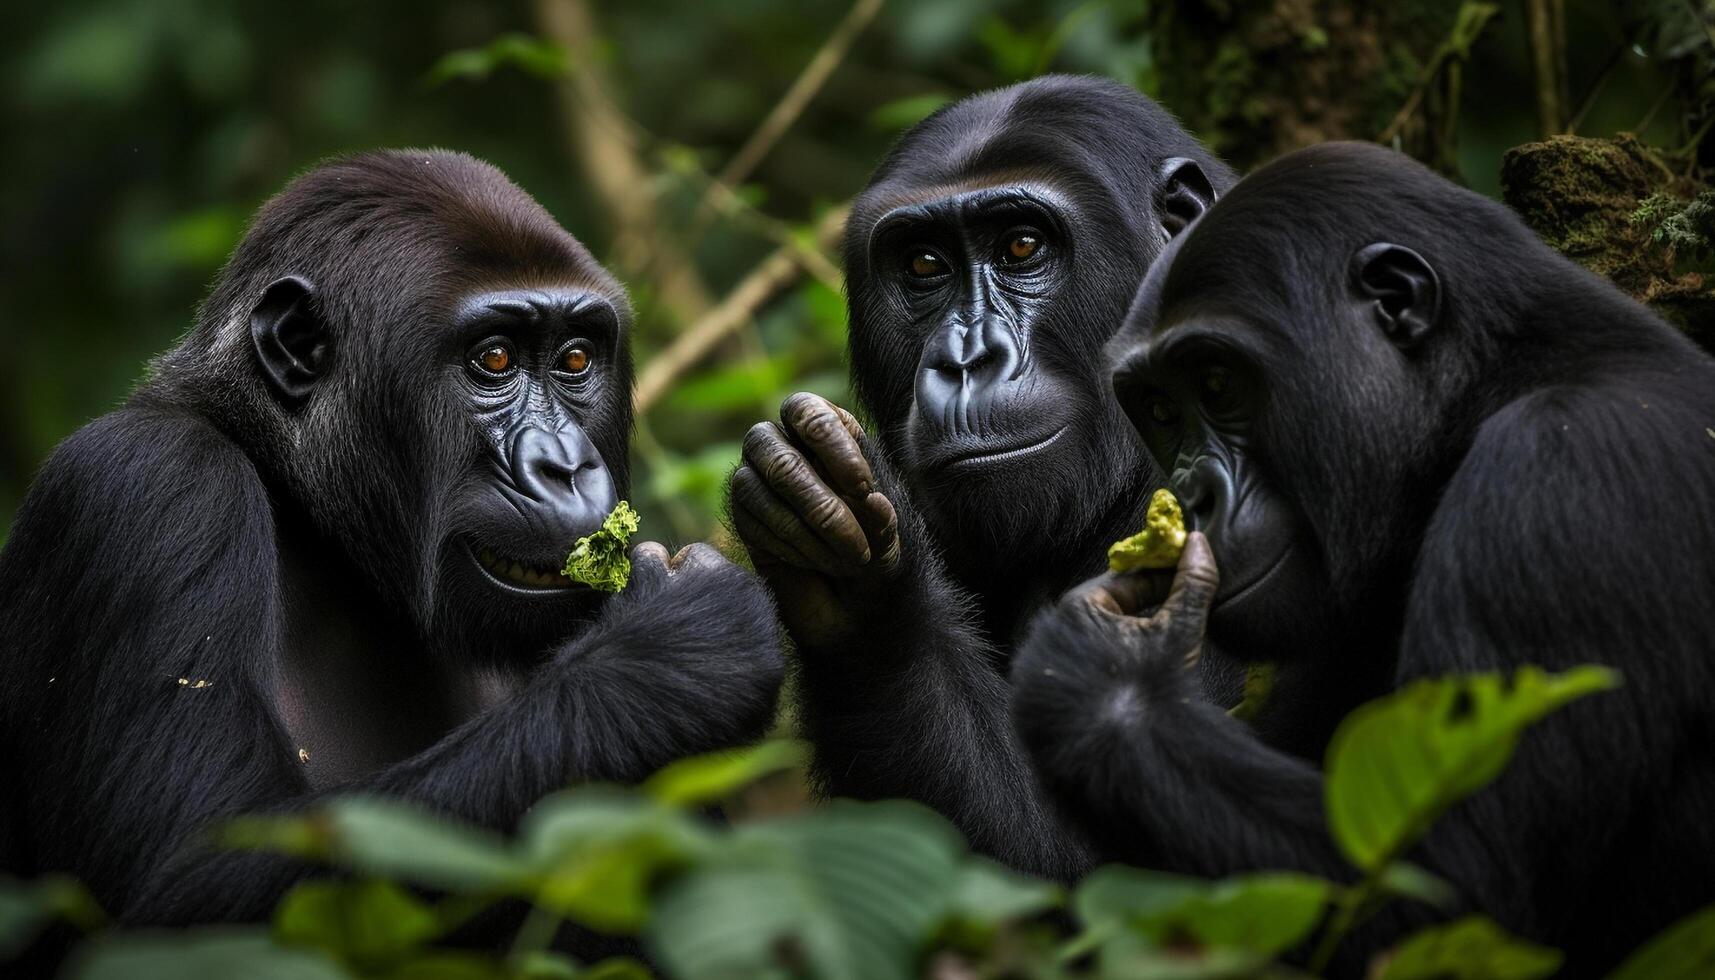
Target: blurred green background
x=702 y=149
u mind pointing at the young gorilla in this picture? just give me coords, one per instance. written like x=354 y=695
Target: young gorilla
x=314 y=553
x=993 y=253
x=1420 y=443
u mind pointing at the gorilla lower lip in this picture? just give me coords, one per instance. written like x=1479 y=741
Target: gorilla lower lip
x=515 y=572
x=1007 y=455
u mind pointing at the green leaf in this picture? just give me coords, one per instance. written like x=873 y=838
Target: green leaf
x=385 y=839
x=1472 y=948
x=986 y=896
x=717 y=776
x=1113 y=895
x=617 y=968
x=902 y=114
x=597 y=852
x=202 y=953
x=601 y=559
x=533 y=56
x=1685 y=951
x=849 y=892
x=27 y=907
x=1395 y=764
x=743 y=384
x=368 y=924
x=447 y=964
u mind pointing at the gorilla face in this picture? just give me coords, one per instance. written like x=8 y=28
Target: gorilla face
x=974 y=275
x=535 y=365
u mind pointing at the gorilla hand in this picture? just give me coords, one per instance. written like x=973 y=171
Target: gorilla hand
x=1128 y=628
x=805 y=504
x=693 y=627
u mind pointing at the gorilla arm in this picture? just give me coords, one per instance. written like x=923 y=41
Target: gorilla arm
x=158 y=536
x=903 y=695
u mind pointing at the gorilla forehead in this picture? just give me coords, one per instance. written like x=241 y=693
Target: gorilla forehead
x=1098 y=139
x=381 y=232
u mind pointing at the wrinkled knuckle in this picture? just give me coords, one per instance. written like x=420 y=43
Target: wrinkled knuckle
x=826 y=513
x=758 y=438
x=782 y=465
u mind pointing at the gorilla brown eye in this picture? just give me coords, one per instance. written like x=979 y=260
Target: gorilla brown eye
x=575 y=360
x=495 y=359
x=1021 y=248
x=1161 y=412
x=926 y=264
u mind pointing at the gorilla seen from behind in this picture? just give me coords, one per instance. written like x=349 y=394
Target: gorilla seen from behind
x=1418 y=442
x=993 y=253
x=316 y=552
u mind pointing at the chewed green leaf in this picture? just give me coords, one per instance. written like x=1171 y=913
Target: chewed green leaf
x=601 y=560
x=1397 y=763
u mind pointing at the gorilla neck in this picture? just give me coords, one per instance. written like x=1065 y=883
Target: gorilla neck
x=358 y=690
x=1011 y=577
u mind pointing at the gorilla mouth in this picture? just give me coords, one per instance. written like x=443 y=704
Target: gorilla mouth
x=985 y=457
x=515 y=573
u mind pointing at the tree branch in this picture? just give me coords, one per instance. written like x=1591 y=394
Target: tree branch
x=605 y=143
x=773 y=275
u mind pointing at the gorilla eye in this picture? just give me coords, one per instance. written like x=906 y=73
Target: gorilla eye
x=1023 y=246
x=575 y=360
x=494 y=359
x=1216 y=380
x=925 y=264
x=1161 y=411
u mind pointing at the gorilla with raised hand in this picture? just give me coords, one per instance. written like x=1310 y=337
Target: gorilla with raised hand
x=1418 y=442
x=993 y=253
x=316 y=552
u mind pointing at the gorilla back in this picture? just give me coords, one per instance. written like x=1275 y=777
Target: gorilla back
x=1418 y=442
x=317 y=551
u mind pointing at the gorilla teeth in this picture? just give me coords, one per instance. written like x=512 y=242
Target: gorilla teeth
x=513 y=570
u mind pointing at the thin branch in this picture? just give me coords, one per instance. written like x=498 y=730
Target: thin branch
x=773 y=275
x=606 y=144
x=1546 y=57
x=793 y=103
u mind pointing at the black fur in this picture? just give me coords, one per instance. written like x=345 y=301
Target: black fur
x=302 y=559
x=1515 y=467
x=913 y=703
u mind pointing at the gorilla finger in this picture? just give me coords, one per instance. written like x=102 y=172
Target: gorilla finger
x=765 y=547
x=830 y=433
x=791 y=476
x=881 y=524
x=698 y=556
x=649 y=552
x=1195 y=583
x=754 y=499
x=1133 y=593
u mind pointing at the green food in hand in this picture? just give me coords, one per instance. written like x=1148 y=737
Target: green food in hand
x=600 y=560
x=1158 y=544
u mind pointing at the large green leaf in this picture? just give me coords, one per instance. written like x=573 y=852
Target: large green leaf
x=717 y=776
x=850 y=892
x=1397 y=763
x=209 y=954
x=595 y=853
x=26 y=907
x=1472 y=948
x=368 y=924
x=1686 y=951
x=986 y=896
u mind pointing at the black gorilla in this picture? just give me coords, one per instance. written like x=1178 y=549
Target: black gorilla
x=1418 y=442
x=314 y=552
x=993 y=253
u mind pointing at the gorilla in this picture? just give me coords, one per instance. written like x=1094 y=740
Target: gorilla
x=316 y=552
x=1417 y=442
x=993 y=253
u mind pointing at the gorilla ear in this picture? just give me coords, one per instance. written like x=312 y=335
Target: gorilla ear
x=289 y=337
x=1405 y=289
x=1183 y=194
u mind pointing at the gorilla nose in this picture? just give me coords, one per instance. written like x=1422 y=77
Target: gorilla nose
x=965 y=365
x=564 y=472
x=1205 y=492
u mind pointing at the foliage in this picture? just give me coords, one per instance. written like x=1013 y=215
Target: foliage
x=861 y=890
x=601 y=559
